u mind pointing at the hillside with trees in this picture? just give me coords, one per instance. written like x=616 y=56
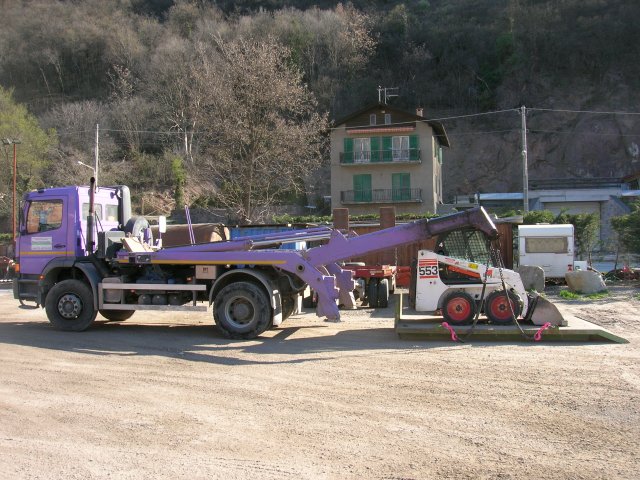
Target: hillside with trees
x=226 y=105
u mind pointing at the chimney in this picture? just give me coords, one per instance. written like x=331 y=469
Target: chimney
x=419 y=111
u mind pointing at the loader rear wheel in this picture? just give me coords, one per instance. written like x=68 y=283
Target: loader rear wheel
x=69 y=306
x=458 y=308
x=242 y=310
x=497 y=309
x=117 y=315
x=383 y=293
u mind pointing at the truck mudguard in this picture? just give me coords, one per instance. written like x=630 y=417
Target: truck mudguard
x=88 y=269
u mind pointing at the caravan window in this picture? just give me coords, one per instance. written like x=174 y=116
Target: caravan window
x=546 y=245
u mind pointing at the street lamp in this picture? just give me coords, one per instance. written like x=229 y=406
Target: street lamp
x=14 y=142
x=88 y=166
x=95 y=172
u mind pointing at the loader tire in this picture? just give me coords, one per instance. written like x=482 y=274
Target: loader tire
x=459 y=308
x=69 y=306
x=117 y=315
x=242 y=310
x=497 y=309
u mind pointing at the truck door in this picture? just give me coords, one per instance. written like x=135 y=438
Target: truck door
x=45 y=233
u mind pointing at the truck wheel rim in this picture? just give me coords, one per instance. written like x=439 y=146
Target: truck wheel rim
x=69 y=306
x=458 y=308
x=240 y=311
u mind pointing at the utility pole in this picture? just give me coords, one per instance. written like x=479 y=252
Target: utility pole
x=97 y=153
x=14 y=142
x=525 y=168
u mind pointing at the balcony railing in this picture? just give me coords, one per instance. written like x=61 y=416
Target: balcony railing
x=391 y=195
x=380 y=156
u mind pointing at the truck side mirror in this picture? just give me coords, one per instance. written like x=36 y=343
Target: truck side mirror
x=162 y=224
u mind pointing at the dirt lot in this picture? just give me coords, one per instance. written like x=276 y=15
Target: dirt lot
x=162 y=396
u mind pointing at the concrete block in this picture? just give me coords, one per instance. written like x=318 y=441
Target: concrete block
x=585 y=282
x=532 y=277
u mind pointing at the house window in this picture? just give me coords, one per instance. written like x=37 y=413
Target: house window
x=400 y=148
x=372 y=119
x=362 y=150
x=400 y=186
x=362 y=188
x=387 y=119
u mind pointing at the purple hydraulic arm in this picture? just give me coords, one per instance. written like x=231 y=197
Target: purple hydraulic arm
x=318 y=266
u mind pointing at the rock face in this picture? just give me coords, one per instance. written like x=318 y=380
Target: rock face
x=586 y=282
x=532 y=277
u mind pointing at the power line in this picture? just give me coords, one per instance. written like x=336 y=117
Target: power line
x=596 y=112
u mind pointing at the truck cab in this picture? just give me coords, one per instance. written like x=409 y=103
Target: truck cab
x=53 y=231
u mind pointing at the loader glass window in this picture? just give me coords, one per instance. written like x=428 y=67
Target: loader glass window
x=470 y=245
x=546 y=245
x=44 y=215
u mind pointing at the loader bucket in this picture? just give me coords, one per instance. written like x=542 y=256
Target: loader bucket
x=542 y=311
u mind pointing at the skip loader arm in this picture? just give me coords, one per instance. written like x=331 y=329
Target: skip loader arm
x=324 y=258
x=317 y=267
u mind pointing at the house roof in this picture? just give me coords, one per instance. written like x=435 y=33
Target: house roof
x=437 y=127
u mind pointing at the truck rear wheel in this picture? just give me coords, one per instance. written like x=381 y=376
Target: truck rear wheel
x=117 y=315
x=242 y=310
x=288 y=306
x=459 y=308
x=372 y=292
x=69 y=306
x=383 y=293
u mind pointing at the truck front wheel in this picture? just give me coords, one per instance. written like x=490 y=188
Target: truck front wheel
x=69 y=306
x=242 y=310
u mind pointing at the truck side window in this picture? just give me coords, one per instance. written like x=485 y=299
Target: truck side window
x=85 y=211
x=44 y=215
x=112 y=213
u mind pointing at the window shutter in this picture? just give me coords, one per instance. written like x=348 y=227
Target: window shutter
x=386 y=149
x=414 y=145
x=362 y=188
x=375 y=149
x=401 y=186
x=348 y=151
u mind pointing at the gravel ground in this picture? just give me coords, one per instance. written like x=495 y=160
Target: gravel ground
x=163 y=396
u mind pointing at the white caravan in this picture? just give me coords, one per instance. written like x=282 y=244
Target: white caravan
x=551 y=247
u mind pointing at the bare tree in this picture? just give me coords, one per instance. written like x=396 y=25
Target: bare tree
x=266 y=134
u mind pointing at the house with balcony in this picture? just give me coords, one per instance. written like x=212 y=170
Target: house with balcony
x=383 y=156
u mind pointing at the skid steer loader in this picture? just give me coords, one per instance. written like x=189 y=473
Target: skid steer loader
x=464 y=276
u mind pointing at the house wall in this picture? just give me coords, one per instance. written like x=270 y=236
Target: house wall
x=425 y=175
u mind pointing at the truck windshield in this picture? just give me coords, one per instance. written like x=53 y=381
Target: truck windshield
x=44 y=215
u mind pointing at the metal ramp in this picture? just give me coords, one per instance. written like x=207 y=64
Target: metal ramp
x=412 y=325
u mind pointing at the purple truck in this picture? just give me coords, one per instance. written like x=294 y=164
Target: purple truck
x=81 y=252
